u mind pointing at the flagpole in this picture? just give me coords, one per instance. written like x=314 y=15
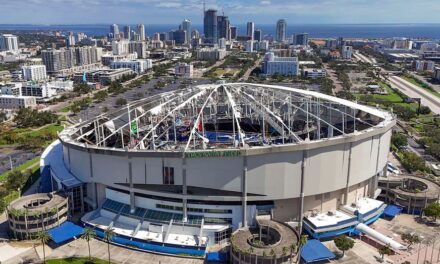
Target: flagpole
x=129 y=121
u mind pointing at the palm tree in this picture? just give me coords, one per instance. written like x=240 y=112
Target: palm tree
x=87 y=235
x=108 y=235
x=44 y=237
x=302 y=241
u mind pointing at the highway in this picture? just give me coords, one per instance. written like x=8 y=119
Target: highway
x=414 y=91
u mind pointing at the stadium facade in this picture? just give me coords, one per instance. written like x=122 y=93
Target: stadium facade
x=188 y=167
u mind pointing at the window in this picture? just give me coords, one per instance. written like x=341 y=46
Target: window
x=168 y=175
x=223 y=236
x=218 y=211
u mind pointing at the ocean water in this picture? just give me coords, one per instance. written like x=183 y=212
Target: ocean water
x=428 y=31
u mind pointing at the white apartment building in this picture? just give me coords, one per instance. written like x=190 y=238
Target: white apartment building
x=280 y=65
x=249 y=46
x=17 y=102
x=8 y=42
x=347 y=52
x=138 y=66
x=12 y=88
x=120 y=47
x=211 y=54
x=34 y=72
x=184 y=69
x=423 y=65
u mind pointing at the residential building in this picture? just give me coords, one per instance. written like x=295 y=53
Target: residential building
x=138 y=47
x=57 y=60
x=436 y=73
x=186 y=26
x=281 y=30
x=141 y=31
x=301 y=39
x=179 y=37
x=250 y=29
x=114 y=31
x=70 y=40
x=313 y=73
x=120 y=47
x=102 y=76
x=280 y=65
x=157 y=44
x=222 y=43
x=211 y=54
x=263 y=45
x=423 y=65
x=8 y=42
x=210 y=26
x=223 y=25
x=195 y=34
x=258 y=35
x=46 y=90
x=184 y=70
x=127 y=32
x=138 y=66
x=347 y=52
x=11 y=88
x=249 y=47
x=17 y=102
x=34 y=72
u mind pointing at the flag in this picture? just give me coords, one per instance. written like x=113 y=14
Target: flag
x=133 y=127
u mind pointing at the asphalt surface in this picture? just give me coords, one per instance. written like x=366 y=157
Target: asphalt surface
x=414 y=91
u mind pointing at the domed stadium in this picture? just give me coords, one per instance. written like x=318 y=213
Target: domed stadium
x=187 y=168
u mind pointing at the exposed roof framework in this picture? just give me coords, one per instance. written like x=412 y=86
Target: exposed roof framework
x=231 y=116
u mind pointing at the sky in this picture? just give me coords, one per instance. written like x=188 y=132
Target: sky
x=239 y=11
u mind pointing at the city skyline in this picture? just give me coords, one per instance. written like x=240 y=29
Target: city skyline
x=239 y=12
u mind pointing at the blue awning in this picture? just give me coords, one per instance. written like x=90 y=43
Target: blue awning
x=65 y=232
x=315 y=251
x=392 y=210
x=216 y=257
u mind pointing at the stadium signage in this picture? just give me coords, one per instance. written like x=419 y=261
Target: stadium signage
x=212 y=154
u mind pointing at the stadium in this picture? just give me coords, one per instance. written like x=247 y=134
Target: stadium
x=180 y=171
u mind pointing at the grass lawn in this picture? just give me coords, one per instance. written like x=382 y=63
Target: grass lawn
x=22 y=167
x=391 y=97
x=76 y=261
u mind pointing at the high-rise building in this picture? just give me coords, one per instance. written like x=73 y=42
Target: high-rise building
x=57 y=60
x=186 y=25
x=163 y=36
x=195 y=34
x=138 y=47
x=233 y=32
x=70 y=40
x=301 y=39
x=120 y=47
x=223 y=27
x=114 y=30
x=8 y=42
x=141 y=31
x=127 y=32
x=250 y=30
x=258 y=35
x=34 y=72
x=210 y=26
x=179 y=36
x=249 y=46
x=347 y=52
x=281 y=30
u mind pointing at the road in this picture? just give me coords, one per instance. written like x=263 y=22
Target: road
x=363 y=58
x=414 y=91
x=249 y=71
x=332 y=75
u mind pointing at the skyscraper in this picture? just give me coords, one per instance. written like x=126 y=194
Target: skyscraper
x=8 y=42
x=301 y=39
x=114 y=29
x=70 y=40
x=141 y=31
x=127 y=32
x=210 y=26
x=223 y=27
x=258 y=35
x=186 y=25
x=250 y=30
x=234 y=32
x=281 y=30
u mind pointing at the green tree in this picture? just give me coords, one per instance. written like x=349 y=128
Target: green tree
x=411 y=239
x=302 y=241
x=344 y=243
x=100 y=96
x=82 y=88
x=412 y=162
x=44 y=237
x=121 y=101
x=108 y=236
x=432 y=210
x=88 y=234
x=385 y=250
x=399 y=140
